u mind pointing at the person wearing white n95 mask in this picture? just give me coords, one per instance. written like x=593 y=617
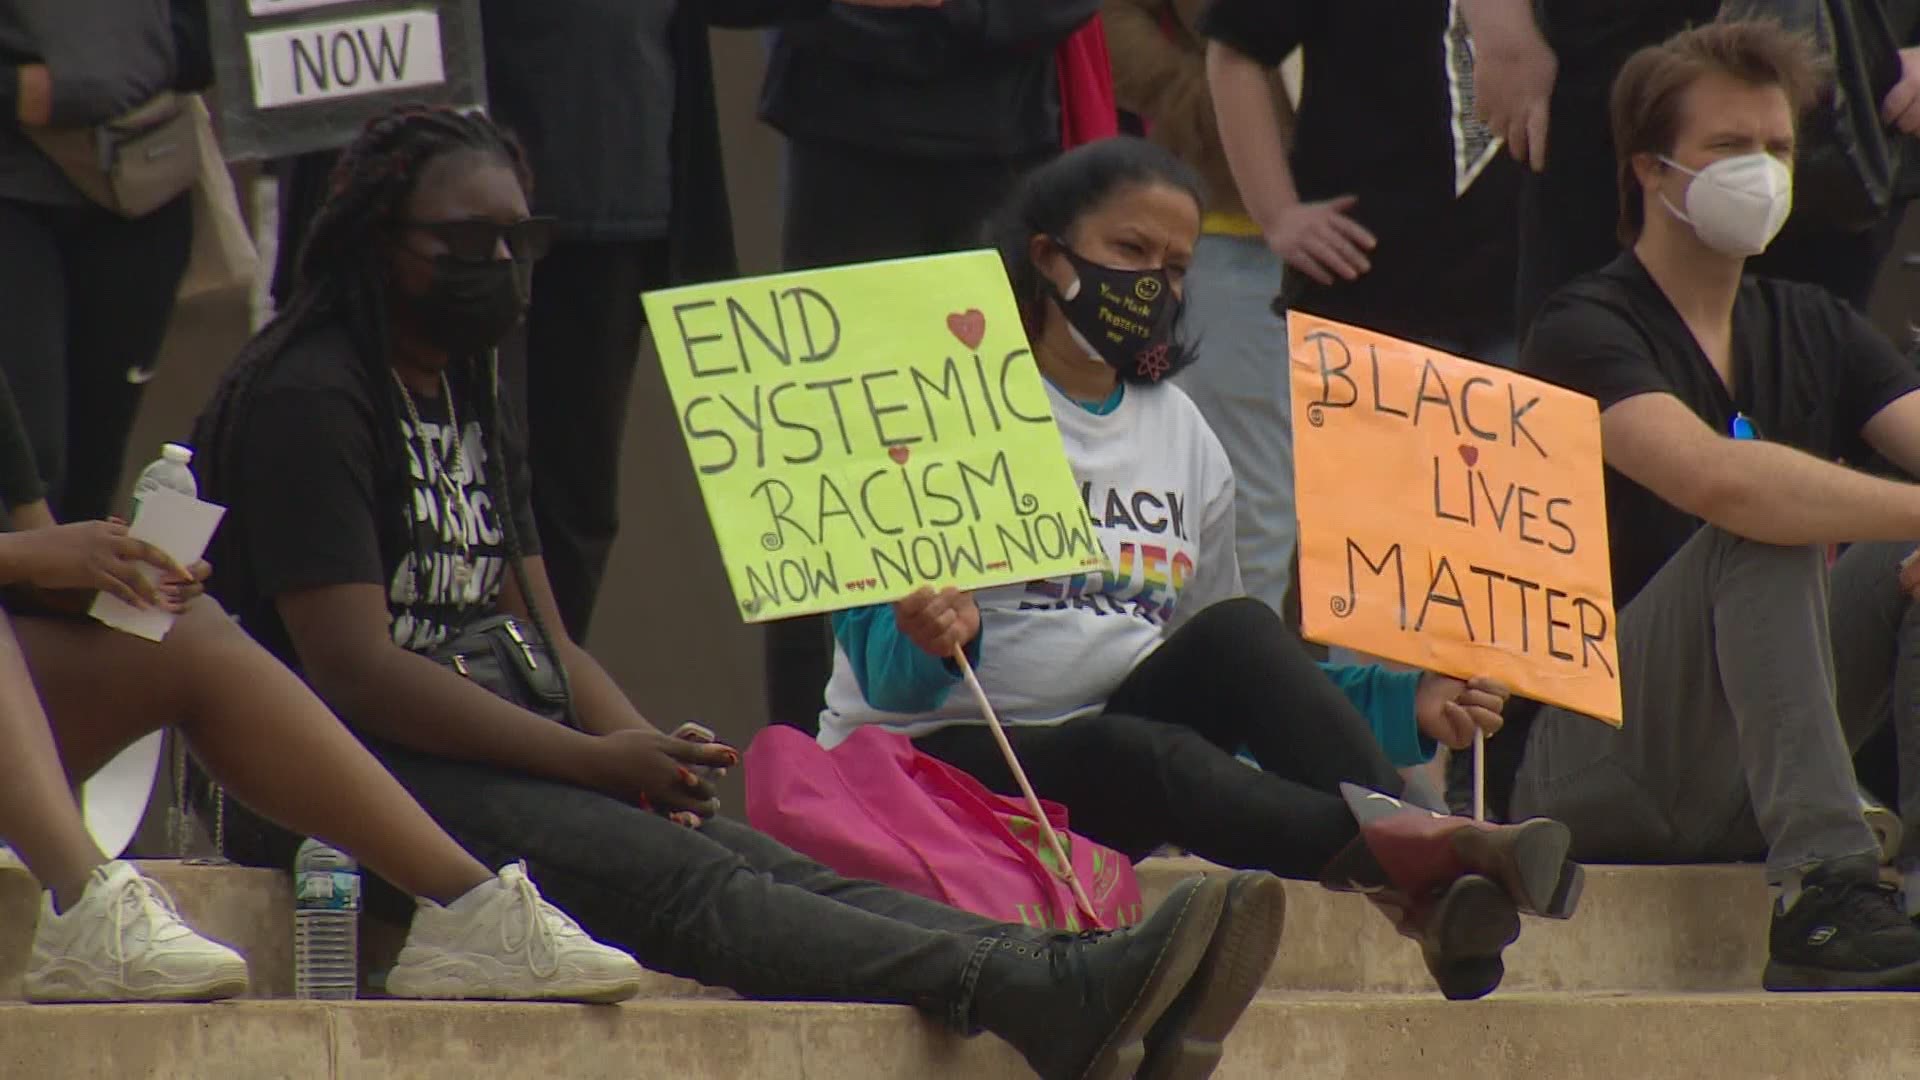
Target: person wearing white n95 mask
x=1737 y=204
x=1750 y=668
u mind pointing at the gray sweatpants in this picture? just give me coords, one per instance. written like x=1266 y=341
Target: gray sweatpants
x=1749 y=674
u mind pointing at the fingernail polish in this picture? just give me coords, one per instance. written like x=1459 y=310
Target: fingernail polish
x=687 y=777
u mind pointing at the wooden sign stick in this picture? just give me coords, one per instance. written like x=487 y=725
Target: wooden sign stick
x=1479 y=774
x=1026 y=788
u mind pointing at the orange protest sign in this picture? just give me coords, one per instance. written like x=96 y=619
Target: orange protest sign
x=1452 y=516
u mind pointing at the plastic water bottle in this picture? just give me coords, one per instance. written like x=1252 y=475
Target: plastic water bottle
x=326 y=923
x=168 y=471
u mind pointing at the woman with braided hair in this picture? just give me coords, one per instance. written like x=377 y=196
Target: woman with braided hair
x=74 y=693
x=380 y=515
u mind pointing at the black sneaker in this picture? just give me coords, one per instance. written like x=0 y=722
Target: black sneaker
x=1079 y=1007
x=1847 y=931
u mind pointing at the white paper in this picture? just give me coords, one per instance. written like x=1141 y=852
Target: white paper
x=397 y=50
x=114 y=800
x=177 y=525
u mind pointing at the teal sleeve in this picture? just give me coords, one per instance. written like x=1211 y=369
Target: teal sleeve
x=895 y=675
x=1385 y=698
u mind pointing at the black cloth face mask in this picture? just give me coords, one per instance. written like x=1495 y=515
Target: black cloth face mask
x=1125 y=317
x=470 y=306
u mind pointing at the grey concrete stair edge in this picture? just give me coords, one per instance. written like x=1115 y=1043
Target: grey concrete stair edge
x=1638 y=928
x=1365 y=1037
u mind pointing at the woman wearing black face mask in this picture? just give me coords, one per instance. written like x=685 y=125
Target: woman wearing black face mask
x=1129 y=692
x=376 y=512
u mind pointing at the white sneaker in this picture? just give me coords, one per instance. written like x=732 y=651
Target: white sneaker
x=125 y=941
x=502 y=942
x=1887 y=830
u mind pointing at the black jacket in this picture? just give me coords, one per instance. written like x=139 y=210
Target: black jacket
x=575 y=127
x=969 y=79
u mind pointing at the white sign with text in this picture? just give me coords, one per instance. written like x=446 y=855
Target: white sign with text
x=317 y=62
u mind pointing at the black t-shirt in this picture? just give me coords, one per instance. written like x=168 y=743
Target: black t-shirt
x=317 y=498
x=1386 y=114
x=1808 y=372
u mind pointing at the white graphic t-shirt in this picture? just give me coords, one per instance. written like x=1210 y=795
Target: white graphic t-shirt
x=1159 y=493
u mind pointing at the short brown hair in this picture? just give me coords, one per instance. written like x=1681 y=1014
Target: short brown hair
x=1647 y=92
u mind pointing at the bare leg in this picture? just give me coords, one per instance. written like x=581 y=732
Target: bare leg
x=255 y=725
x=38 y=816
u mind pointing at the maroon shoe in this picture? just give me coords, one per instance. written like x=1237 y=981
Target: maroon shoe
x=1420 y=852
x=1462 y=930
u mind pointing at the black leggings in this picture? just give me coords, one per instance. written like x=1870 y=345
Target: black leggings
x=85 y=297
x=1158 y=766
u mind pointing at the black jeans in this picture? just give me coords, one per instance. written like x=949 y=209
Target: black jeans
x=582 y=341
x=85 y=296
x=1158 y=766
x=724 y=905
x=846 y=204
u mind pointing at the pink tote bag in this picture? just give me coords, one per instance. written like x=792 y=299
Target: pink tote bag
x=876 y=808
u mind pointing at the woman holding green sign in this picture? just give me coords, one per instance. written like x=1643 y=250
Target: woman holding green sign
x=1127 y=693
x=380 y=541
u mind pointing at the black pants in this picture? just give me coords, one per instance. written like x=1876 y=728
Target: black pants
x=849 y=205
x=1158 y=766
x=582 y=341
x=85 y=297
x=723 y=904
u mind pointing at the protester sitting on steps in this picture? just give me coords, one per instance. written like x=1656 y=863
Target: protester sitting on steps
x=1127 y=692
x=378 y=506
x=74 y=693
x=1748 y=669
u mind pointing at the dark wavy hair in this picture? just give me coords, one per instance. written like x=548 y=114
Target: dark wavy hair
x=1052 y=198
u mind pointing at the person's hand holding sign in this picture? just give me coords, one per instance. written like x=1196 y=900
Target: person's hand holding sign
x=938 y=622
x=1449 y=711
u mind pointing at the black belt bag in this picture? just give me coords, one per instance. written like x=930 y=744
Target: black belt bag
x=510 y=659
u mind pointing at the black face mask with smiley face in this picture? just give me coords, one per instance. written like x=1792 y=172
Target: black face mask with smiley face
x=1124 y=317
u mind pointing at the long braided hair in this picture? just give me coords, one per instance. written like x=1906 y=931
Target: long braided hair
x=343 y=282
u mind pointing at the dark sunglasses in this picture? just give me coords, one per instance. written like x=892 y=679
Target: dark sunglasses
x=477 y=240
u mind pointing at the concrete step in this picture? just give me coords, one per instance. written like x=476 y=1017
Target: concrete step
x=1670 y=928
x=1302 y=1037
x=1639 y=928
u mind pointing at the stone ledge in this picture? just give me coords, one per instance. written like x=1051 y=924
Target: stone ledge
x=1668 y=928
x=1306 y=1037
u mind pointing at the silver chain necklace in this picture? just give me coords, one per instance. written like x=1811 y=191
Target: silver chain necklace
x=466 y=583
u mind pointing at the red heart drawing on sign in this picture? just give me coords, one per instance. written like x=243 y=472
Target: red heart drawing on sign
x=899 y=454
x=970 y=326
x=1470 y=455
